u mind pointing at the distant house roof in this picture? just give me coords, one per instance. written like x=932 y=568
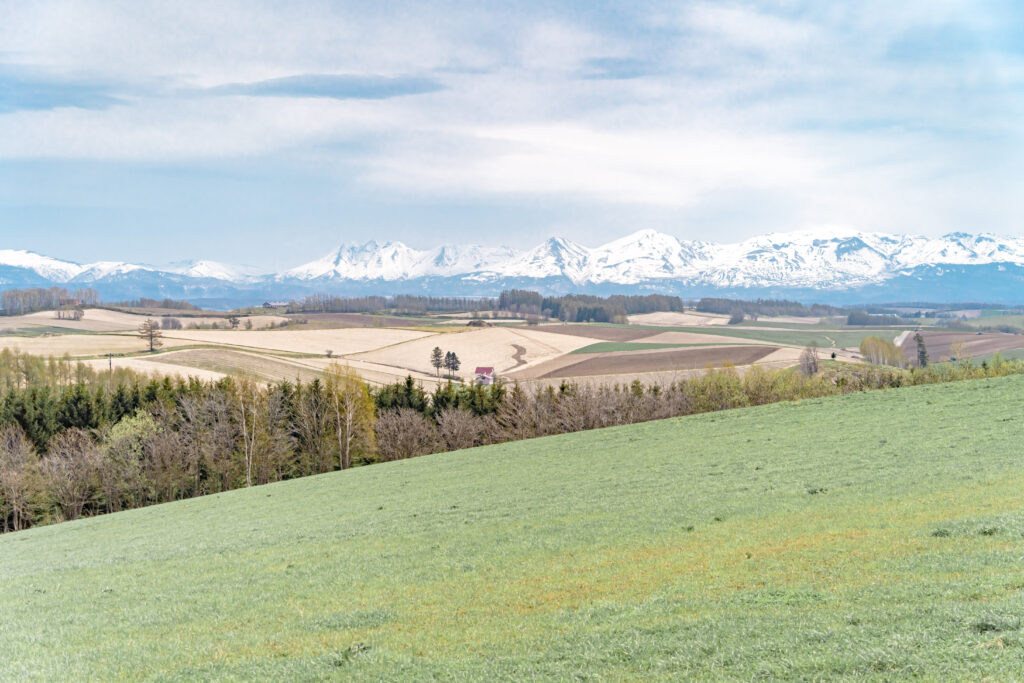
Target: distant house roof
x=484 y=371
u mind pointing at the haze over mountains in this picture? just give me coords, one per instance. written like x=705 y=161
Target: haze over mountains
x=820 y=265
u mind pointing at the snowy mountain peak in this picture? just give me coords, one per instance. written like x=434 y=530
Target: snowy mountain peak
x=44 y=266
x=826 y=259
x=214 y=270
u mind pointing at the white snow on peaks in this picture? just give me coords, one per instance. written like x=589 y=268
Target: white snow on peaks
x=826 y=258
x=215 y=270
x=44 y=266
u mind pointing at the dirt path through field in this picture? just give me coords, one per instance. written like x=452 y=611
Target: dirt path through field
x=518 y=356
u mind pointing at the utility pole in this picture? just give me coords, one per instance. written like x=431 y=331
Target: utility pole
x=110 y=362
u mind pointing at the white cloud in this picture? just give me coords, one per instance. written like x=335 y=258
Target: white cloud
x=801 y=100
x=671 y=167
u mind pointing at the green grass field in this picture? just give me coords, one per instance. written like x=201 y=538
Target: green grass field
x=874 y=536
x=985 y=321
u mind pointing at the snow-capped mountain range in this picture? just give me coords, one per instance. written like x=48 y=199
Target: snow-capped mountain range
x=822 y=265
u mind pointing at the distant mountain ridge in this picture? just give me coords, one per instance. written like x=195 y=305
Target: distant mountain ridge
x=821 y=265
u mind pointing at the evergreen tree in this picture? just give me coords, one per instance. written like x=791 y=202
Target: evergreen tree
x=77 y=409
x=437 y=359
x=149 y=330
x=922 y=351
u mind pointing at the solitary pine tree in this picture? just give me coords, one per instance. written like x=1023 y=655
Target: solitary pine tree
x=922 y=351
x=455 y=362
x=150 y=333
x=437 y=359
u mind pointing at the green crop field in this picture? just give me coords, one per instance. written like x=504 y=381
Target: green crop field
x=874 y=536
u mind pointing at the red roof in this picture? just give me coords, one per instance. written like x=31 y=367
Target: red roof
x=484 y=371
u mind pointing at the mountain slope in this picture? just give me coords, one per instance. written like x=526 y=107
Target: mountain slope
x=823 y=265
x=742 y=544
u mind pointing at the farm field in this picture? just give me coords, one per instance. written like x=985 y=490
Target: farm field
x=105 y=320
x=840 y=338
x=996 y=319
x=77 y=345
x=149 y=365
x=340 y=341
x=226 y=362
x=384 y=354
x=505 y=349
x=940 y=344
x=744 y=544
x=606 y=347
x=672 y=359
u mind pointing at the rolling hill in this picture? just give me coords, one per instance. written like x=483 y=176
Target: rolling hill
x=868 y=536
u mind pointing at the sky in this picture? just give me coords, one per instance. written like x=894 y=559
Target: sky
x=268 y=133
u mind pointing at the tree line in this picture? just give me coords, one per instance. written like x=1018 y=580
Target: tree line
x=768 y=307
x=74 y=441
x=584 y=307
x=865 y=318
x=143 y=302
x=22 y=301
x=401 y=304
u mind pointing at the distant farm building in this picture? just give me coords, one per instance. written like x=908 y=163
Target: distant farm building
x=484 y=376
x=275 y=304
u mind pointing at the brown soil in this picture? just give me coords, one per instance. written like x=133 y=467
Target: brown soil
x=651 y=361
x=940 y=344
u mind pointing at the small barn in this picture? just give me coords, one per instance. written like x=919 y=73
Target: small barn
x=484 y=376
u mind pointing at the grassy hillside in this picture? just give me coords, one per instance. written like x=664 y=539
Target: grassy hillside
x=869 y=536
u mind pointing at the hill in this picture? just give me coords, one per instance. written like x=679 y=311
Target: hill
x=867 y=536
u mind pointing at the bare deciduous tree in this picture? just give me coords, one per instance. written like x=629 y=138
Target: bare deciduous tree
x=809 y=360
x=17 y=460
x=459 y=428
x=406 y=433
x=71 y=467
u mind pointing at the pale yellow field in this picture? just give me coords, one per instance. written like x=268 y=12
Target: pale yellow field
x=154 y=367
x=374 y=373
x=678 y=319
x=94 y=320
x=103 y=320
x=798 y=320
x=380 y=355
x=499 y=347
x=226 y=361
x=339 y=341
x=81 y=344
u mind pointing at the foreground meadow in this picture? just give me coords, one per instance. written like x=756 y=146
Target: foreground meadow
x=867 y=536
